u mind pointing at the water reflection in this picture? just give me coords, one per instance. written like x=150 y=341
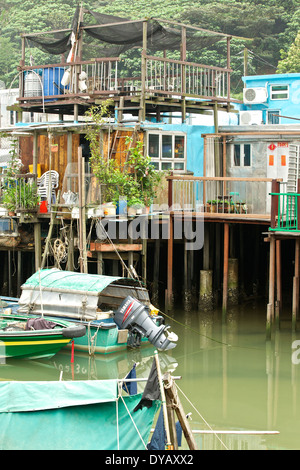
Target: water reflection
x=232 y=377
x=238 y=380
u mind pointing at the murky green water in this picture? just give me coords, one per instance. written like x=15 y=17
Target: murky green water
x=234 y=379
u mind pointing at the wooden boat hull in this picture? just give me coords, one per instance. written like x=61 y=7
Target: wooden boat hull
x=101 y=337
x=34 y=344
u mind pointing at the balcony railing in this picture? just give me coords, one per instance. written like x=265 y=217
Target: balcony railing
x=171 y=78
x=285 y=210
x=178 y=78
x=222 y=196
x=19 y=194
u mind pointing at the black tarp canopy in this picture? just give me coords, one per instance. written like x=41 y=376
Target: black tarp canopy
x=118 y=35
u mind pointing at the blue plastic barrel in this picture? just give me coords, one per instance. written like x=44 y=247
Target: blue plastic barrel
x=52 y=82
x=121 y=206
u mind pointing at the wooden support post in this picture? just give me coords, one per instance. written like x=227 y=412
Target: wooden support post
x=35 y=152
x=278 y=303
x=216 y=143
x=48 y=239
x=274 y=203
x=82 y=221
x=225 y=268
x=171 y=392
x=37 y=246
x=70 y=262
x=228 y=73
x=172 y=424
x=271 y=304
x=170 y=264
x=155 y=290
x=163 y=400
x=169 y=297
x=295 y=307
x=99 y=263
x=144 y=260
x=19 y=273
x=142 y=112
x=69 y=156
x=9 y=283
x=183 y=71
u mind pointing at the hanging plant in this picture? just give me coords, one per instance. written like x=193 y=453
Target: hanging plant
x=136 y=179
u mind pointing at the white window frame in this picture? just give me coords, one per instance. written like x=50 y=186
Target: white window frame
x=242 y=155
x=274 y=93
x=160 y=160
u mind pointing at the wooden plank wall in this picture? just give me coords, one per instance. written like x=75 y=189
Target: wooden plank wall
x=117 y=148
x=58 y=159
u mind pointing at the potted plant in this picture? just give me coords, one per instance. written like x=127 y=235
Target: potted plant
x=135 y=179
x=18 y=194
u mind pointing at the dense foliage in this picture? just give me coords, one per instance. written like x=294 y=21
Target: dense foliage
x=271 y=26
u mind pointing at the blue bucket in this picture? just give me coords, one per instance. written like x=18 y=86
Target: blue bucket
x=52 y=82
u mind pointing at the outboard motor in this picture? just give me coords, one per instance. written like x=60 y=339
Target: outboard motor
x=134 y=316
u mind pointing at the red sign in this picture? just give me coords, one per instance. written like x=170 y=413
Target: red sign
x=272 y=147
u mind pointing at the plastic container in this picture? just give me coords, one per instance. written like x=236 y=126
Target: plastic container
x=122 y=207
x=32 y=85
x=39 y=169
x=44 y=207
x=52 y=81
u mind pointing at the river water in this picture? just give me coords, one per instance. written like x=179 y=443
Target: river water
x=232 y=379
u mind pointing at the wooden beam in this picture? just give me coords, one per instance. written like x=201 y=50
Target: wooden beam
x=108 y=248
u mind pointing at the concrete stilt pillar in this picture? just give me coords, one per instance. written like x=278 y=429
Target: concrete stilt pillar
x=233 y=281
x=206 y=290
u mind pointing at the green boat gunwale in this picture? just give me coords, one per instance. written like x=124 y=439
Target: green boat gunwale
x=61 y=328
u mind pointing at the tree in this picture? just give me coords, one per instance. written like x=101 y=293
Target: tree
x=290 y=62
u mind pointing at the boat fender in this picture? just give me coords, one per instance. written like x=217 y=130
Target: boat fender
x=74 y=331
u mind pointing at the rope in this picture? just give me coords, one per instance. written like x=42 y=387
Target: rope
x=120 y=396
x=124 y=266
x=216 y=435
x=195 y=331
x=91 y=339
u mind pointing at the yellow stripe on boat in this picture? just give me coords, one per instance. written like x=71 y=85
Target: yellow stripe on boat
x=22 y=343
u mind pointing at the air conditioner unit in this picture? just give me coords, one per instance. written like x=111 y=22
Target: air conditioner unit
x=250 y=118
x=255 y=95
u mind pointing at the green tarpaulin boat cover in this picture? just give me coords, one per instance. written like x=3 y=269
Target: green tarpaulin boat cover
x=72 y=415
x=55 y=278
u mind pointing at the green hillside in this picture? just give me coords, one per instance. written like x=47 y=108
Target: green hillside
x=272 y=27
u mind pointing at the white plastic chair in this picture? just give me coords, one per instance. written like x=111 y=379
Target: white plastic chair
x=49 y=177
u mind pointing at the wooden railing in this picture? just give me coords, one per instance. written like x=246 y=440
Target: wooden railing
x=248 y=197
x=176 y=77
x=60 y=81
x=19 y=193
x=172 y=78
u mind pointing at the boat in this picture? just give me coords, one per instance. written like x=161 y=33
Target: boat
x=96 y=301
x=86 y=415
x=31 y=337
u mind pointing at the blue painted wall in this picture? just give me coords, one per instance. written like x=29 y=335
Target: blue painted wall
x=287 y=107
x=194 y=144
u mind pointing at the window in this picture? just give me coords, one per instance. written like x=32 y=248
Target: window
x=167 y=151
x=242 y=155
x=273 y=117
x=279 y=92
